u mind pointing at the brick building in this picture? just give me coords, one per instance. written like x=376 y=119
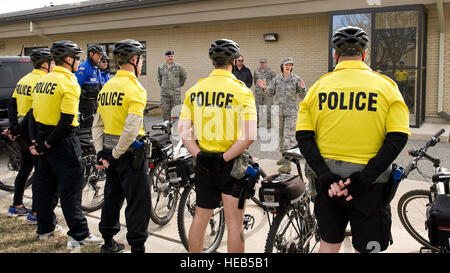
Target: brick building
x=411 y=31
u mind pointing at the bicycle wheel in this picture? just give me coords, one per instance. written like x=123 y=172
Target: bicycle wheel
x=412 y=209
x=93 y=193
x=164 y=197
x=186 y=211
x=292 y=231
x=10 y=161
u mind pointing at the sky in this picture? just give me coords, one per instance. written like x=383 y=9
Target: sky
x=12 y=6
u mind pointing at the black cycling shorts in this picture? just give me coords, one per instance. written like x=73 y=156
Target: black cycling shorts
x=369 y=217
x=209 y=186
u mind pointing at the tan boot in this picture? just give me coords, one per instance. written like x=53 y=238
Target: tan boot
x=286 y=168
x=281 y=161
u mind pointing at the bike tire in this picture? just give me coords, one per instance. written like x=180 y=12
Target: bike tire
x=273 y=239
x=407 y=219
x=10 y=162
x=186 y=208
x=97 y=200
x=164 y=190
x=94 y=181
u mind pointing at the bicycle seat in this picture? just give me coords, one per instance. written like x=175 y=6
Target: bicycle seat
x=442 y=175
x=162 y=125
x=293 y=153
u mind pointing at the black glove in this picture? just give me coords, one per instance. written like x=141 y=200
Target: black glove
x=40 y=146
x=210 y=161
x=105 y=154
x=14 y=130
x=359 y=183
x=325 y=180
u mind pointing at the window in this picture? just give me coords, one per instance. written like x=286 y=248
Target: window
x=113 y=66
x=27 y=50
x=396 y=48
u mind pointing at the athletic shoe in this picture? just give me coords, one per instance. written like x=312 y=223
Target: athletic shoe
x=114 y=248
x=13 y=212
x=31 y=219
x=48 y=235
x=91 y=239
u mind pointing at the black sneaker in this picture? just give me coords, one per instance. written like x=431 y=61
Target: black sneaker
x=114 y=248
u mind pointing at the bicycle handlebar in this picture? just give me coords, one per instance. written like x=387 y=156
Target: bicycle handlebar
x=434 y=139
x=146 y=110
x=421 y=153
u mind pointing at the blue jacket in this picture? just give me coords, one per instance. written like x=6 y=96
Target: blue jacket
x=104 y=77
x=88 y=77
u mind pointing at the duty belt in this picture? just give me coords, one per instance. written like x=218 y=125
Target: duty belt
x=110 y=141
x=46 y=130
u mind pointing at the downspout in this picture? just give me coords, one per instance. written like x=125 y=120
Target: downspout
x=440 y=11
x=38 y=33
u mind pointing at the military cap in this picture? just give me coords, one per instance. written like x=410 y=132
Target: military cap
x=287 y=60
x=169 y=52
x=262 y=60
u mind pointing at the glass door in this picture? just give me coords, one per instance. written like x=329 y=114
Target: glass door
x=396 y=49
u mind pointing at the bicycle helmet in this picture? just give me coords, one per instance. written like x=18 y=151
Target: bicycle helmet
x=104 y=57
x=95 y=48
x=348 y=39
x=125 y=50
x=223 y=51
x=39 y=56
x=63 y=49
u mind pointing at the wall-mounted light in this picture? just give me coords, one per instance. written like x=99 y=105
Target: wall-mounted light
x=270 y=37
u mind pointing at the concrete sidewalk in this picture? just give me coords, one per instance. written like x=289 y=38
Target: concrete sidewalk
x=166 y=239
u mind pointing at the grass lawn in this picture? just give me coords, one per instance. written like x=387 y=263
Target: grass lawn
x=18 y=237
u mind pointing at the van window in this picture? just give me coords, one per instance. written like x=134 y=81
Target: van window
x=11 y=73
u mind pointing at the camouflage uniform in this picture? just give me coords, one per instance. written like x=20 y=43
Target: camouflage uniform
x=285 y=95
x=170 y=78
x=262 y=97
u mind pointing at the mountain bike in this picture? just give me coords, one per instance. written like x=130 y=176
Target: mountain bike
x=164 y=196
x=216 y=226
x=93 y=179
x=295 y=229
x=412 y=206
x=10 y=160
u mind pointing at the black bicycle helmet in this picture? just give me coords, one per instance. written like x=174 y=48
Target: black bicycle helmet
x=39 y=56
x=350 y=39
x=104 y=57
x=126 y=49
x=95 y=48
x=63 y=49
x=223 y=51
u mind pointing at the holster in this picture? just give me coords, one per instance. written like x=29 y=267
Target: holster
x=138 y=157
x=395 y=178
x=244 y=191
x=140 y=154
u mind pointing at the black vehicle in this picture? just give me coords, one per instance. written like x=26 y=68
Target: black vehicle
x=12 y=69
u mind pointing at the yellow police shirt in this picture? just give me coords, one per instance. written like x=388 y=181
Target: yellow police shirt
x=351 y=110
x=55 y=93
x=120 y=96
x=401 y=76
x=217 y=105
x=24 y=89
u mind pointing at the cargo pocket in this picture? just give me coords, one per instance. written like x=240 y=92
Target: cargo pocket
x=386 y=225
